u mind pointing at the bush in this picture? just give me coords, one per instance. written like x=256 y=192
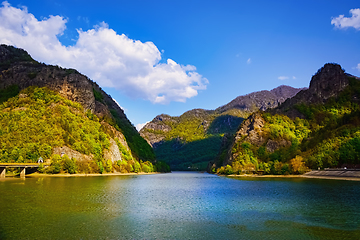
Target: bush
x=83 y=167
x=41 y=168
x=145 y=168
x=108 y=166
x=68 y=164
x=101 y=167
x=136 y=167
x=228 y=170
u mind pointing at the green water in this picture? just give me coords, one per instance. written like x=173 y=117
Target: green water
x=178 y=205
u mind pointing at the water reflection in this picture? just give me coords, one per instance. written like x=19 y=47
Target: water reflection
x=179 y=205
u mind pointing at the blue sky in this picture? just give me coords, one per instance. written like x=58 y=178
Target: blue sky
x=169 y=57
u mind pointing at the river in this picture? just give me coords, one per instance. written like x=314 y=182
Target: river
x=179 y=205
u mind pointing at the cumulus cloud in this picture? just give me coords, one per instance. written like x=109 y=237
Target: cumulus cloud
x=345 y=22
x=283 y=78
x=140 y=126
x=111 y=59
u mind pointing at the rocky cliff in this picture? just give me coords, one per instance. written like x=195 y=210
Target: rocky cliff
x=20 y=70
x=328 y=82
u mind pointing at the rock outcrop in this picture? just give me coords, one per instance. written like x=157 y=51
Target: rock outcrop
x=251 y=130
x=18 y=68
x=330 y=80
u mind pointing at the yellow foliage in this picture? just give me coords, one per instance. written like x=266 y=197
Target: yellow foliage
x=298 y=165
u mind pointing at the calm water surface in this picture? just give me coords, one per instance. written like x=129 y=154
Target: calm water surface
x=178 y=205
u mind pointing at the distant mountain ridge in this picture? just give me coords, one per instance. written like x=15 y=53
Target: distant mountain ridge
x=193 y=139
x=261 y=100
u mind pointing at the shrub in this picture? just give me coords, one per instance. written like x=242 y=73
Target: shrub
x=101 y=167
x=68 y=164
x=136 y=167
x=228 y=170
x=108 y=166
x=55 y=166
x=83 y=166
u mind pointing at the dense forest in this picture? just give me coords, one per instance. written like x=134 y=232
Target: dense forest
x=35 y=120
x=197 y=137
x=326 y=136
x=192 y=140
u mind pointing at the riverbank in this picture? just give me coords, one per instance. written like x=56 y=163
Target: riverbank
x=36 y=174
x=348 y=175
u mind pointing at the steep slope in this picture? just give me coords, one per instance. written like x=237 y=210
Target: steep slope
x=19 y=71
x=195 y=138
x=317 y=128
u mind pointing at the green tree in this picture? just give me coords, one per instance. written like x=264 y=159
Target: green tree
x=137 y=167
x=68 y=164
x=109 y=166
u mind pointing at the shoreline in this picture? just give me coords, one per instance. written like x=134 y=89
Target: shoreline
x=295 y=176
x=36 y=175
x=88 y=174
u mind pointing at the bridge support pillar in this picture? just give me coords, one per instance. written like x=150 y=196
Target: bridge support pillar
x=2 y=172
x=22 y=172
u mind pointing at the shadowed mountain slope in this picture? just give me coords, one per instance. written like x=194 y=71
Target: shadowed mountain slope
x=192 y=140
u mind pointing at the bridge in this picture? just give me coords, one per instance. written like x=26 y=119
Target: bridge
x=22 y=167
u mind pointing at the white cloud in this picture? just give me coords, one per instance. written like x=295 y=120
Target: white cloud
x=358 y=66
x=345 y=22
x=248 y=61
x=283 y=78
x=293 y=77
x=110 y=59
x=140 y=126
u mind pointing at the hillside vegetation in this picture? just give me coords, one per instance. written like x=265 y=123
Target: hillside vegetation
x=199 y=136
x=190 y=141
x=37 y=120
x=317 y=134
x=19 y=71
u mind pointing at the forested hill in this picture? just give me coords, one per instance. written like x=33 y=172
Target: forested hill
x=19 y=72
x=191 y=141
x=317 y=128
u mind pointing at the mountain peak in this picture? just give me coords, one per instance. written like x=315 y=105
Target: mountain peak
x=328 y=81
x=10 y=54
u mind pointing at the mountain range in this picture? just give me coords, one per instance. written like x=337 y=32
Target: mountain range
x=48 y=111
x=195 y=138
